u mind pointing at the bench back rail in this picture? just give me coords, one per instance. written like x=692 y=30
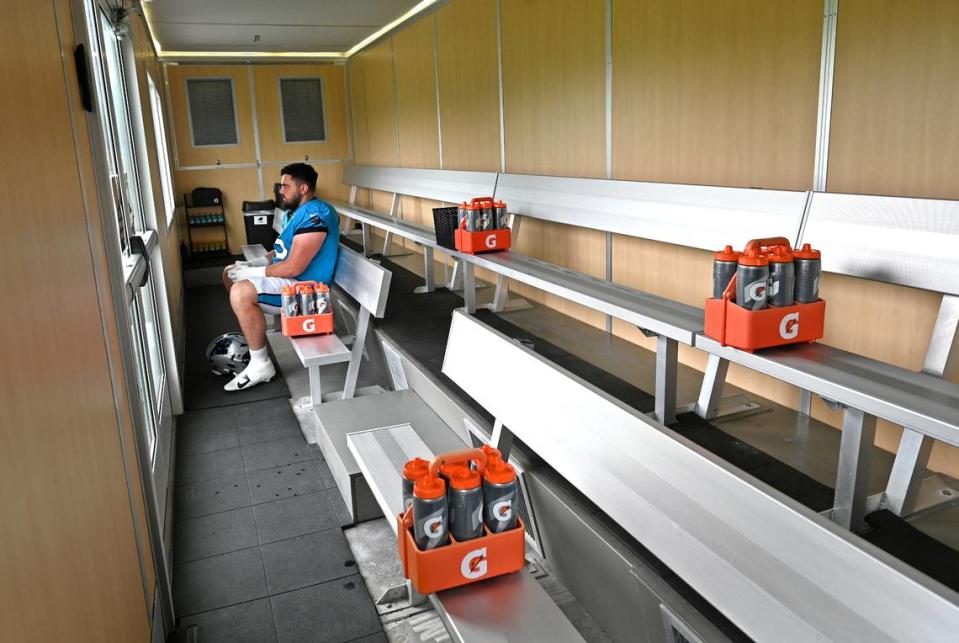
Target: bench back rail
x=776 y=569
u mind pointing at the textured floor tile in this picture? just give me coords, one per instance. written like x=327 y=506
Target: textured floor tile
x=208 y=466
x=244 y=623
x=202 y=439
x=307 y=560
x=206 y=419
x=219 y=581
x=326 y=477
x=202 y=498
x=343 y=515
x=276 y=452
x=284 y=482
x=293 y=517
x=215 y=534
x=265 y=421
x=379 y=637
x=339 y=610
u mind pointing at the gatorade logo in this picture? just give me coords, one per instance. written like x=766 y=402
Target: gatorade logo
x=773 y=288
x=490 y=241
x=503 y=510
x=474 y=564
x=280 y=249
x=789 y=326
x=756 y=290
x=433 y=527
x=309 y=325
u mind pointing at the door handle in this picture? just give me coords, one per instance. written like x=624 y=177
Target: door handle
x=138 y=246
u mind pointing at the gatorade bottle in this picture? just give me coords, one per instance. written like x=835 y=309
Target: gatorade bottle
x=752 y=280
x=413 y=470
x=499 y=496
x=492 y=454
x=808 y=270
x=725 y=263
x=781 y=277
x=289 y=304
x=322 y=299
x=304 y=293
x=430 y=514
x=466 y=504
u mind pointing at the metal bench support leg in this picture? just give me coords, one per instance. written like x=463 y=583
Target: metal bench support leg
x=430 y=283
x=805 y=402
x=469 y=287
x=316 y=389
x=456 y=281
x=356 y=355
x=667 y=355
x=912 y=456
x=712 y=391
x=911 y=460
x=501 y=439
x=367 y=241
x=855 y=455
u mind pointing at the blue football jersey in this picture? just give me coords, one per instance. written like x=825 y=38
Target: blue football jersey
x=312 y=216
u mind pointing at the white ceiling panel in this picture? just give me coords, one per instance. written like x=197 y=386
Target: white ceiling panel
x=194 y=37
x=283 y=25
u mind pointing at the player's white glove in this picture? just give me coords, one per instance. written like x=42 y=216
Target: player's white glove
x=259 y=261
x=240 y=273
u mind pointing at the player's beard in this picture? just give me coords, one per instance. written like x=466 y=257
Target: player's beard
x=291 y=204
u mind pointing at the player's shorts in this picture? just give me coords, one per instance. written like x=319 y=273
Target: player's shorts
x=268 y=291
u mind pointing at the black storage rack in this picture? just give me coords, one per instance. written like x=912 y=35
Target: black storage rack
x=194 y=211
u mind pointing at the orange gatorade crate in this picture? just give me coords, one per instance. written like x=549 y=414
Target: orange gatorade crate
x=734 y=325
x=459 y=562
x=482 y=241
x=299 y=325
x=482 y=212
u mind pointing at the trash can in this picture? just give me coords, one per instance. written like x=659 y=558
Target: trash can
x=258 y=220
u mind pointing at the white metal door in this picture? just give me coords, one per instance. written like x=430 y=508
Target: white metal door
x=135 y=265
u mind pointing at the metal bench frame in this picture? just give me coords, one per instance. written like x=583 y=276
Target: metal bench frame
x=776 y=569
x=367 y=283
x=895 y=240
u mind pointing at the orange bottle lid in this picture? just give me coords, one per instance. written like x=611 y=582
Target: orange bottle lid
x=492 y=453
x=780 y=255
x=429 y=488
x=465 y=479
x=287 y=290
x=447 y=470
x=322 y=288
x=727 y=254
x=500 y=472
x=304 y=289
x=753 y=258
x=807 y=252
x=416 y=468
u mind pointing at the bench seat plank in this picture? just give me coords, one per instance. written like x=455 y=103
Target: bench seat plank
x=919 y=401
x=663 y=316
x=776 y=569
x=320 y=350
x=514 y=607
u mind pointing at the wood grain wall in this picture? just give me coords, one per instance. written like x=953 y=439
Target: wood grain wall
x=69 y=555
x=242 y=183
x=466 y=34
x=716 y=92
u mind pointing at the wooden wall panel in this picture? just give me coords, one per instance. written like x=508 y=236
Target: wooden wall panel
x=895 y=121
x=554 y=61
x=716 y=92
x=266 y=79
x=237 y=185
x=361 y=138
x=380 y=106
x=468 y=85
x=245 y=151
x=329 y=181
x=416 y=94
x=69 y=558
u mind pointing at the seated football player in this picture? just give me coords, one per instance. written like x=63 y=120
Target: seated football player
x=305 y=250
